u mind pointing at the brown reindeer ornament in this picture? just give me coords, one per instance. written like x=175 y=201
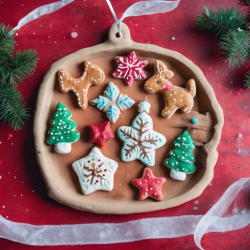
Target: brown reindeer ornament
x=175 y=97
x=92 y=74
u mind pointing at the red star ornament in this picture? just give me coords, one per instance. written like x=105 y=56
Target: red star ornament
x=130 y=68
x=149 y=185
x=100 y=133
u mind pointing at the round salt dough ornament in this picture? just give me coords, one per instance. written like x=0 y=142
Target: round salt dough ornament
x=64 y=187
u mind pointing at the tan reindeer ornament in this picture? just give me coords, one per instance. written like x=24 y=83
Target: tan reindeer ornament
x=175 y=97
x=92 y=74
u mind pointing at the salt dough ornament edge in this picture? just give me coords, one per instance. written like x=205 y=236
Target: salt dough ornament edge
x=43 y=107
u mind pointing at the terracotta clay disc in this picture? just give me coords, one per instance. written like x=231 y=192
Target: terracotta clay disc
x=57 y=171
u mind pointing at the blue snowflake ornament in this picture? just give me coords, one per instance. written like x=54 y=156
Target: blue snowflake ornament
x=113 y=102
x=140 y=140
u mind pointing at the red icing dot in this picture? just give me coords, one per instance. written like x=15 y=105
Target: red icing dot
x=105 y=170
x=88 y=161
x=103 y=175
x=96 y=181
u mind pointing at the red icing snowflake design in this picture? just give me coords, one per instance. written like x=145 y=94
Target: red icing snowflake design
x=130 y=68
x=149 y=185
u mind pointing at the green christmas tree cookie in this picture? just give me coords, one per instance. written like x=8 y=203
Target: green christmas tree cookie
x=61 y=135
x=181 y=160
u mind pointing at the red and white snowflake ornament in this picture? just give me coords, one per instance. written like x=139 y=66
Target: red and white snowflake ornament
x=130 y=68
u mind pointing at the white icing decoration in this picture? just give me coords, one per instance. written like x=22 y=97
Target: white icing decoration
x=92 y=180
x=180 y=176
x=144 y=106
x=62 y=147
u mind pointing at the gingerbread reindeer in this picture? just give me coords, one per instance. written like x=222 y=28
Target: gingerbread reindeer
x=92 y=74
x=175 y=97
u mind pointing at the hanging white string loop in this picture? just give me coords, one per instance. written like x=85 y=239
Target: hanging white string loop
x=144 y=8
x=114 y=16
x=40 y=11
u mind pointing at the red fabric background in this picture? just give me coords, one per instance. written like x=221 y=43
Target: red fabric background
x=23 y=196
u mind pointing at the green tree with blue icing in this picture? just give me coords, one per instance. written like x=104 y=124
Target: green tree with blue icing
x=62 y=133
x=181 y=160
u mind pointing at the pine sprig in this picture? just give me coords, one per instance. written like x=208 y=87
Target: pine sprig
x=7 y=41
x=14 y=68
x=12 y=110
x=221 y=21
x=21 y=66
x=245 y=3
x=233 y=28
x=235 y=46
x=247 y=80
